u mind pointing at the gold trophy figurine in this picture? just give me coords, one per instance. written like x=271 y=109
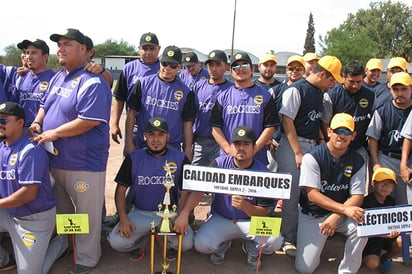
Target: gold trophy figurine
x=165 y=226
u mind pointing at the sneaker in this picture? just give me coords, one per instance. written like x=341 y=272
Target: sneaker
x=219 y=258
x=289 y=249
x=10 y=265
x=137 y=254
x=386 y=265
x=171 y=254
x=114 y=220
x=252 y=261
x=81 y=269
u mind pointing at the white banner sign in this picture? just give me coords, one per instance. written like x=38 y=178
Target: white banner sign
x=237 y=182
x=381 y=221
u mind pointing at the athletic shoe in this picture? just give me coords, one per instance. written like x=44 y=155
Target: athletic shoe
x=252 y=261
x=137 y=254
x=289 y=249
x=10 y=265
x=386 y=265
x=219 y=258
x=81 y=269
x=171 y=254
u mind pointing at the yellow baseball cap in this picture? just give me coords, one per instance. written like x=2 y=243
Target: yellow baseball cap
x=398 y=62
x=295 y=58
x=343 y=120
x=267 y=57
x=402 y=78
x=382 y=174
x=374 y=63
x=332 y=65
x=310 y=56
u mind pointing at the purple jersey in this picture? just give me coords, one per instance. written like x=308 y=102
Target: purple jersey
x=190 y=80
x=145 y=174
x=24 y=163
x=86 y=96
x=30 y=92
x=253 y=107
x=205 y=98
x=131 y=72
x=8 y=77
x=222 y=203
x=152 y=97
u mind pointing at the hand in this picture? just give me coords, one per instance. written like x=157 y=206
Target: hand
x=298 y=159
x=116 y=133
x=329 y=225
x=21 y=71
x=34 y=129
x=394 y=234
x=354 y=212
x=94 y=68
x=272 y=145
x=406 y=174
x=181 y=223
x=129 y=148
x=238 y=201
x=47 y=136
x=126 y=228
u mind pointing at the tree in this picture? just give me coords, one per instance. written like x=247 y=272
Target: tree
x=310 y=36
x=12 y=57
x=384 y=30
x=110 y=47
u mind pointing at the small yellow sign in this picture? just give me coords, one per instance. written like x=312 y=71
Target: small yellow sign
x=72 y=223
x=265 y=226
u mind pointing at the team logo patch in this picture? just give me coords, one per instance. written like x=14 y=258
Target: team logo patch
x=258 y=99
x=28 y=239
x=172 y=166
x=81 y=186
x=187 y=59
x=348 y=171
x=212 y=54
x=178 y=95
x=43 y=85
x=363 y=103
x=202 y=78
x=75 y=82
x=170 y=53
x=156 y=123
x=13 y=159
x=238 y=56
x=2 y=106
x=241 y=132
x=148 y=38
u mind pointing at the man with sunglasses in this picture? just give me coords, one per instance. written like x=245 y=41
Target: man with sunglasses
x=162 y=95
x=332 y=185
x=244 y=104
x=27 y=204
x=301 y=110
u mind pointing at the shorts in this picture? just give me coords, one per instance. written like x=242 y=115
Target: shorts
x=376 y=244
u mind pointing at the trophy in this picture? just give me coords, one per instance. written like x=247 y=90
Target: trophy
x=165 y=227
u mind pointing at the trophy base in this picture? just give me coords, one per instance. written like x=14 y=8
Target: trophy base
x=167 y=272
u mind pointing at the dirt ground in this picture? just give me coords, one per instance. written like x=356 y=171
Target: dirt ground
x=194 y=262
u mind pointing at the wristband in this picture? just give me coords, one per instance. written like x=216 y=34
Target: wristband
x=38 y=123
x=103 y=70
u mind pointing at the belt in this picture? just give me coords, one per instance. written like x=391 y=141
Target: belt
x=307 y=212
x=392 y=154
x=306 y=140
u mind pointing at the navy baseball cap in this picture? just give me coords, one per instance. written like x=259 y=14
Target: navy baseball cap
x=243 y=133
x=240 y=56
x=73 y=34
x=190 y=59
x=149 y=39
x=171 y=54
x=217 y=55
x=12 y=108
x=89 y=42
x=38 y=43
x=156 y=124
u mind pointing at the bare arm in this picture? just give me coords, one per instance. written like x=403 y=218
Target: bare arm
x=126 y=227
x=22 y=196
x=117 y=110
x=290 y=132
x=188 y=138
x=182 y=221
x=264 y=137
x=130 y=121
x=37 y=124
x=406 y=151
x=373 y=150
x=221 y=139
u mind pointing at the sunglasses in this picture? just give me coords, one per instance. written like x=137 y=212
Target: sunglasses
x=297 y=68
x=237 y=67
x=171 y=65
x=345 y=131
x=4 y=121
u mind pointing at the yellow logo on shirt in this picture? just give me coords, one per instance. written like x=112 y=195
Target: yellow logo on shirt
x=348 y=171
x=178 y=95
x=172 y=166
x=13 y=159
x=363 y=103
x=43 y=85
x=28 y=239
x=81 y=186
x=258 y=99
x=75 y=82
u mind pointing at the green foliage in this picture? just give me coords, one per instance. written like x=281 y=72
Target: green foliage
x=310 y=36
x=384 y=30
x=53 y=63
x=110 y=47
x=12 y=57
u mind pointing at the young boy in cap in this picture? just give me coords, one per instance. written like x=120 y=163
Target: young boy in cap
x=384 y=183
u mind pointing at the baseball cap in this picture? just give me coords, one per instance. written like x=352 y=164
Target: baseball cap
x=295 y=58
x=343 y=120
x=332 y=65
x=310 y=56
x=38 y=43
x=72 y=34
x=267 y=57
x=217 y=55
x=156 y=124
x=243 y=133
x=374 y=63
x=89 y=42
x=240 y=56
x=398 y=62
x=402 y=78
x=382 y=174
x=171 y=54
x=12 y=108
x=190 y=59
x=149 y=38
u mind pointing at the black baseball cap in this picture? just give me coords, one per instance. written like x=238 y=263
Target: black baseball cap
x=240 y=56
x=38 y=43
x=89 y=42
x=171 y=54
x=149 y=38
x=12 y=108
x=190 y=59
x=73 y=34
x=217 y=55
x=243 y=133
x=157 y=124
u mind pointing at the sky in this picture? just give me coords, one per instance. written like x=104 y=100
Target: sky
x=261 y=25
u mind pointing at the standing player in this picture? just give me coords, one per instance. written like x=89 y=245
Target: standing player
x=373 y=71
x=193 y=71
x=205 y=148
x=301 y=110
x=406 y=159
x=267 y=69
x=333 y=184
x=27 y=204
x=311 y=60
x=243 y=104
